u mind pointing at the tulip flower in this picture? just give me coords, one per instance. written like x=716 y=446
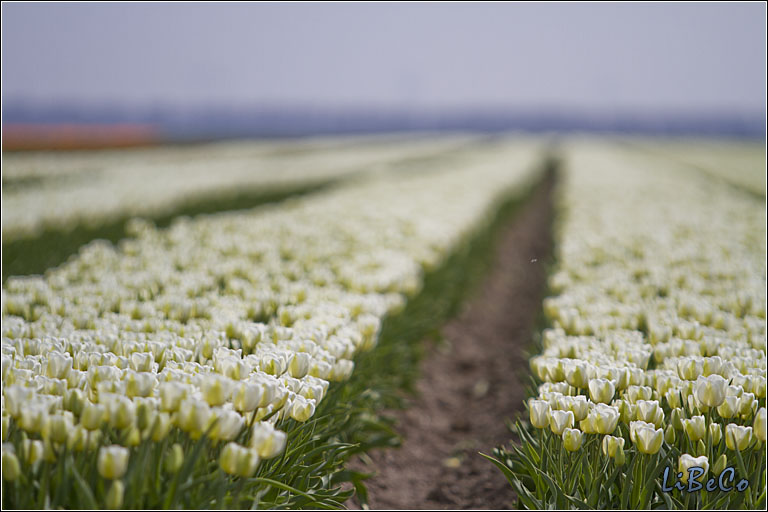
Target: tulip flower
x=601 y=390
x=302 y=409
x=710 y=391
x=577 y=374
x=695 y=428
x=572 y=439
x=687 y=461
x=11 y=467
x=611 y=444
x=737 y=437
x=747 y=404
x=267 y=441
x=729 y=408
x=238 y=460
x=112 y=462
x=715 y=433
x=648 y=440
x=634 y=425
x=647 y=410
x=759 y=424
x=580 y=407
x=539 y=413
x=560 y=420
x=605 y=418
x=226 y=425
x=173 y=459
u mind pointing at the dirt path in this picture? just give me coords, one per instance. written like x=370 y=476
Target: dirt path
x=471 y=383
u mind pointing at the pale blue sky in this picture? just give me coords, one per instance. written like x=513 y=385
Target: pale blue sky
x=593 y=57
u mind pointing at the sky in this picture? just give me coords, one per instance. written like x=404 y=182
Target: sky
x=591 y=57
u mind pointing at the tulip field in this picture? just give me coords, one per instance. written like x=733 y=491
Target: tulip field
x=655 y=352
x=224 y=325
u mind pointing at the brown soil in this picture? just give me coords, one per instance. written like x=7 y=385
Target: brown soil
x=471 y=383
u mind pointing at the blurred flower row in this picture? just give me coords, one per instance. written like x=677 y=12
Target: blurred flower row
x=227 y=322
x=64 y=190
x=657 y=342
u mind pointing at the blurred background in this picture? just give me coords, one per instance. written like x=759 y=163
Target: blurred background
x=114 y=74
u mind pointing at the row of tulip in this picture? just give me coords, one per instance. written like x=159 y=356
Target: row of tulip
x=225 y=329
x=96 y=188
x=656 y=352
x=742 y=164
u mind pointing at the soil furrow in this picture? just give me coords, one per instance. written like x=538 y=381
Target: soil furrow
x=471 y=382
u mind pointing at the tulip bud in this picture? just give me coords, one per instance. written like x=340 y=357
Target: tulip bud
x=601 y=390
x=670 y=435
x=74 y=401
x=238 y=460
x=93 y=415
x=11 y=467
x=620 y=456
x=34 y=417
x=132 y=436
x=673 y=398
x=160 y=427
x=627 y=411
x=572 y=439
x=112 y=462
x=273 y=364
x=539 y=412
x=173 y=459
x=676 y=419
x=193 y=417
x=145 y=414
x=715 y=433
x=760 y=424
x=737 y=437
x=77 y=440
x=720 y=464
x=747 y=404
x=33 y=450
x=729 y=408
x=267 y=441
x=114 y=500
x=759 y=384
x=695 y=428
x=611 y=445
x=57 y=427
